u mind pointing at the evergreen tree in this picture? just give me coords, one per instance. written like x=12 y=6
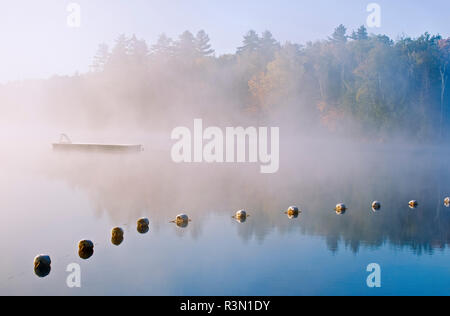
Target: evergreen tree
x=251 y=43
x=339 y=35
x=138 y=48
x=361 y=34
x=164 y=46
x=268 y=42
x=186 y=46
x=269 y=45
x=101 y=58
x=121 y=47
x=120 y=52
x=444 y=65
x=202 y=42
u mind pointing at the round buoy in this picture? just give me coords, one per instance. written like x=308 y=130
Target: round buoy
x=117 y=236
x=293 y=212
x=142 y=225
x=182 y=220
x=340 y=209
x=241 y=216
x=42 y=265
x=143 y=221
x=413 y=204
x=85 y=249
x=447 y=202
x=182 y=224
x=376 y=206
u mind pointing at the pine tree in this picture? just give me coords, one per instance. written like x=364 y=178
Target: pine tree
x=339 y=35
x=269 y=45
x=202 y=42
x=101 y=58
x=164 y=46
x=186 y=46
x=361 y=34
x=138 y=48
x=121 y=47
x=119 y=55
x=251 y=43
x=444 y=56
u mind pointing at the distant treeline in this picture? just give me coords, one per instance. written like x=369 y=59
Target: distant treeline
x=370 y=82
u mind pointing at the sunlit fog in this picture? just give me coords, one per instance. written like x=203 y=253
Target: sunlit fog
x=133 y=133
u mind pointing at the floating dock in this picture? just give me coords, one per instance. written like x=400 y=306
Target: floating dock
x=66 y=145
x=98 y=147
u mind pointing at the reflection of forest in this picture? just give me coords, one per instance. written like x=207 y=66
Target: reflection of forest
x=149 y=184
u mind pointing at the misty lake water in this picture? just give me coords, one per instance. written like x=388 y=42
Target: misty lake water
x=49 y=201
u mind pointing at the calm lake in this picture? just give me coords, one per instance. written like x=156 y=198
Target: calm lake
x=50 y=200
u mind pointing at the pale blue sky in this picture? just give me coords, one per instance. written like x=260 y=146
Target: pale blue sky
x=36 y=41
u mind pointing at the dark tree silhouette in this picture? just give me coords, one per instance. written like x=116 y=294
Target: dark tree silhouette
x=251 y=43
x=202 y=42
x=361 y=34
x=339 y=35
x=101 y=58
x=186 y=46
x=163 y=47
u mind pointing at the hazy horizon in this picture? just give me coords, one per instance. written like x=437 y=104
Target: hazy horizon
x=41 y=44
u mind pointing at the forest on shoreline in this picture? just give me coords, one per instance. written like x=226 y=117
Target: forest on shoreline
x=352 y=83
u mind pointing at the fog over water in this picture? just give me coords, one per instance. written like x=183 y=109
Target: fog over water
x=345 y=137
x=50 y=200
x=314 y=174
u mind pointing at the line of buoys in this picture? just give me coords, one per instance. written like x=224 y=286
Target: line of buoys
x=42 y=263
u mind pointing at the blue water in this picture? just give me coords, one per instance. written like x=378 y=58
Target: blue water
x=51 y=203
